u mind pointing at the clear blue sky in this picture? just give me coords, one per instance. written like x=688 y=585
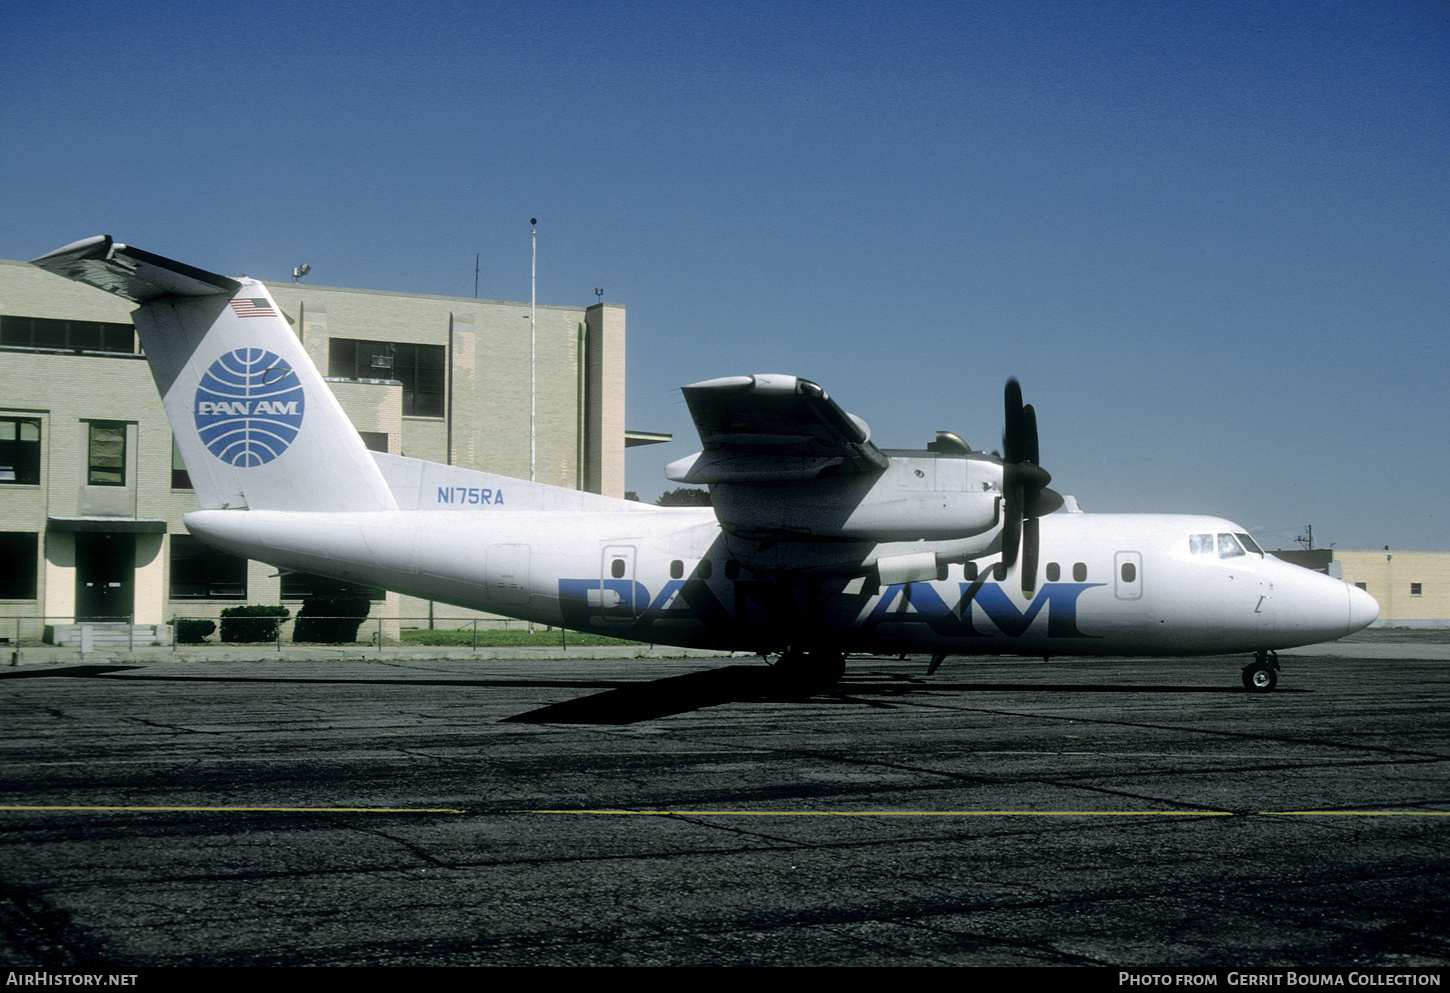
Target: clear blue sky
x=1211 y=239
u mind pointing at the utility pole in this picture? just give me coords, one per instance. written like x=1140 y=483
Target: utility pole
x=1307 y=539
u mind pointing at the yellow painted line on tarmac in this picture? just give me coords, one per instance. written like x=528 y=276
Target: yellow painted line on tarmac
x=273 y=810
x=995 y=813
x=1356 y=813
x=899 y=813
x=758 y=813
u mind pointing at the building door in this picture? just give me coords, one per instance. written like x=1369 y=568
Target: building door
x=105 y=576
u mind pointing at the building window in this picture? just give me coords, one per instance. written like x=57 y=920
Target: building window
x=301 y=585
x=20 y=450
x=18 y=564
x=78 y=336
x=106 y=454
x=180 y=478
x=420 y=368
x=1414 y=589
x=200 y=572
x=376 y=441
x=1363 y=586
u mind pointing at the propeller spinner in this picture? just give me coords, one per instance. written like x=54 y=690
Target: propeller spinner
x=1024 y=485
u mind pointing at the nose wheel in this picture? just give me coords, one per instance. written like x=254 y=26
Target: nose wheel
x=1262 y=674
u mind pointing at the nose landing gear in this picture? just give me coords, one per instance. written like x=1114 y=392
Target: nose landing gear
x=1262 y=674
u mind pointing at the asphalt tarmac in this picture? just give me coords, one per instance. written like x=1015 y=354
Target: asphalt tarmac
x=658 y=811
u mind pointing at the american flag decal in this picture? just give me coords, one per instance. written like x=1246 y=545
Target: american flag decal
x=253 y=307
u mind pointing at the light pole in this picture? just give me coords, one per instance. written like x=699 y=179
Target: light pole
x=533 y=338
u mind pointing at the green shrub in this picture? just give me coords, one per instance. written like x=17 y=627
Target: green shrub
x=508 y=638
x=252 y=623
x=193 y=630
x=330 y=619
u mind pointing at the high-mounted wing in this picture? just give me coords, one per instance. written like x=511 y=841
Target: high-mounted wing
x=772 y=428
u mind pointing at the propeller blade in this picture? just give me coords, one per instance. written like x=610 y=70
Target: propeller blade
x=1011 y=520
x=1012 y=427
x=1029 y=555
x=1029 y=433
x=1024 y=485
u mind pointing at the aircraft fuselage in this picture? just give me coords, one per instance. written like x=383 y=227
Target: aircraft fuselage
x=1110 y=584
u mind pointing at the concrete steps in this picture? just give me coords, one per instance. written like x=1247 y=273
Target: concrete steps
x=89 y=637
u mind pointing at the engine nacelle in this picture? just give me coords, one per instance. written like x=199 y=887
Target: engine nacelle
x=920 y=496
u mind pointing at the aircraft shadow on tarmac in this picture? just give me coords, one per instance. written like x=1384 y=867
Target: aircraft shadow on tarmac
x=625 y=702
x=633 y=702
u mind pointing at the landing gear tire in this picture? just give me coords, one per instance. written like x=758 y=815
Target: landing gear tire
x=1262 y=674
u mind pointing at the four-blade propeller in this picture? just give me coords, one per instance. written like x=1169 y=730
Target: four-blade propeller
x=1024 y=485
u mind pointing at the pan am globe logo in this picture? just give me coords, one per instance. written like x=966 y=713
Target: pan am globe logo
x=249 y=407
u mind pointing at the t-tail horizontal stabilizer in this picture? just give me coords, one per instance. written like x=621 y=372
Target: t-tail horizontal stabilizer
x=255 y=422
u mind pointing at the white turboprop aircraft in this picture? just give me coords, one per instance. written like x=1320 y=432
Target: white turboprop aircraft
x=818 y=545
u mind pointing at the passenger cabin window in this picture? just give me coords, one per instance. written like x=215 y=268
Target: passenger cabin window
x=1079 y=572
x=1054 y=572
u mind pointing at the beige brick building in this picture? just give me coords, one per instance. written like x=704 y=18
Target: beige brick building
x=92 y=492
x=1413 y=588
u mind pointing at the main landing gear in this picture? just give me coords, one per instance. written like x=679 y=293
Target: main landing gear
x=1262 y=674
x=811 y=670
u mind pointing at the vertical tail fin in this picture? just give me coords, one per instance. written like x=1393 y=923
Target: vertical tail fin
x=255 y=422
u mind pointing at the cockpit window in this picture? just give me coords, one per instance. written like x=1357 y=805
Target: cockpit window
x=1229 y=547
x=1200 y=544
x=1249 y=543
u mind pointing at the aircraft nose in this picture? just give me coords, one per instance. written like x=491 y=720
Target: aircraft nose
x=1363 y=609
